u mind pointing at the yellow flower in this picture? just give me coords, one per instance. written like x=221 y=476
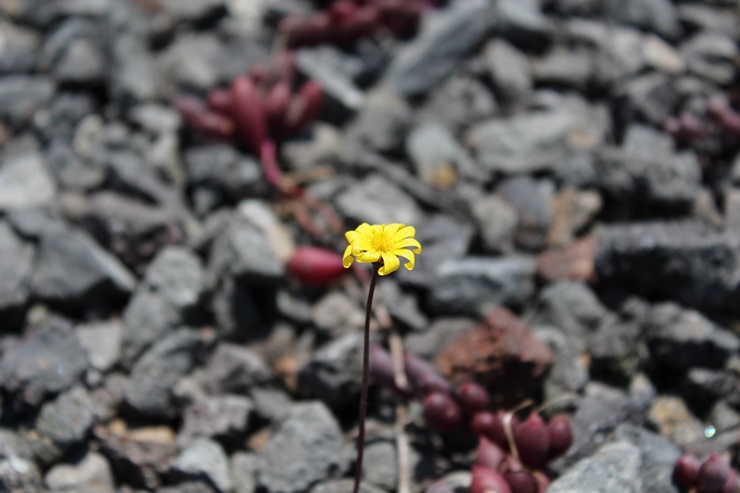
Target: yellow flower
x=382 y=241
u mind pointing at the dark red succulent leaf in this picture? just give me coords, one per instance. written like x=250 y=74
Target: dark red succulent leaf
x=315 y=265
x=686 y=473
x=219 y=101
x=532 y=440
x=560 y=434
x=381 y=369
x=442 y=412
x=472 y=397
x=276 y=108
x=713 y=475
x=248 y=113
x=342 y=11
x=510 y=464
x=488 y=454
x=483 y=423
x=423 y=377
x=304 y=107
x=731 y=486
x=198 y=117
x=488 y=481
x=521 y=482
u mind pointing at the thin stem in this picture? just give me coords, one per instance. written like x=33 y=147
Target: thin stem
x=365 y=379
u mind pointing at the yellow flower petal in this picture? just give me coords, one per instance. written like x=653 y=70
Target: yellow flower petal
x=408 y=242
x=407 y=232
x=390 y=264
x=372 y=256
x=408 y=255
x=347 y=258
x=364 y=228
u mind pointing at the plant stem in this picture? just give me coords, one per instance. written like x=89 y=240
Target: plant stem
x=365 y=379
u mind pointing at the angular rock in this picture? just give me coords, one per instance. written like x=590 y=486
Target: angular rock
x=501 y=349
x=235 y=369
x=681 y=339
x=702 y=386
x=497 y=222
x=377 y=201
x=564 y=67
x=657 y=456
x=670 y=416
x=16 y=263
x=48 y=361
x=19 y=53
x=459 y=102
x=568 y=373
x=711 y=55
x=74 y=270
x=472 y=285
x=25 y=181
x=307 y=447
x=643 y=256
x=523 y=23
x=510 y=72
x=148 y=317
x=402 y=306
x=382 y=465
x=22 y=96
x=70 y=171
x=83 y=62
x=332 y=375
x=243 y=472
x=221 y=168
x=574 y=262
x=177 y=275
x=445 y=38
x=573 y=210
x=382 y=124
x=439 y=159
x=659 y=16
x=438 y=335
x=19 y=475
x=337 y=314
x=341 y=485
x=662 y=56
x=613 y=469
x=336 y=73
x=102 y=342
x=616 y=348
x=653 y=96
x=91 y=474
x=134 y=76
x=224 y=418
x=207 y=460
x=68 y=419
x=170 y=359
x=532 y=201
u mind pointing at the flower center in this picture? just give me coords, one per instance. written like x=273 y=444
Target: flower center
x=381 y=241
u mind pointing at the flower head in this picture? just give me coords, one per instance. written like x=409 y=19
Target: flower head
x=382 y=243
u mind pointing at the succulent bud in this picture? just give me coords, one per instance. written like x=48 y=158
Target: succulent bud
x=713 y=475
x=489 y=454
x=686 y=473
x=560 y=434
x=219 y=101
x=472 y=397
x=423 y=377
x=315 y=266
x=248 y=113
x=487 y=481
x=532 y=440
x=197 y=116
x=521 y=482
x=276 y=108
x=442 y=412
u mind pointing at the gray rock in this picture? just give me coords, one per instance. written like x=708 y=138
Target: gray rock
x=682 y=339
x=221 y=168
x=335 y=72
x=460 y=101
x=147 y=318
x=92 y=474
x=243 y=472
x=497 y=222
x=71 y=172
x=134 y=76
x=644 y=255
x=20 y=45
x=533 y=141
x=568 y=374
x=473 y=285
x=523 y=23
x=22 y=96
x=207 y=460
x=176 y=274
x=170 y=359
x=701 y=386
x=532 y=201
x=381 y=465
x=48 y=361
x=711 y=55
x=563 y=67
x=332 y=375
x=270 y=403
x=377 y=201
x=68 y=419
x=382 y=124
x=616 y=349
x=653 y=95
x=337 y=314
x=402 y=306
x=437 y=336
x=699 y=17
x=307 y=447
x=25 y=181
x=613 y=469
x=189 y=62
x=83 y=62
x=438 y=158
x=74 y=270
x=192 y=10
x=445 y=37
x=219 y=418
x=19 y=475
x=239 y=309
x=510 y=72
x=657 y=457
x=192 y=486
x=659 y=16
x=342 y=485
x=102 y=342
x=662 y=56
x=16 y=262
x=235 y=369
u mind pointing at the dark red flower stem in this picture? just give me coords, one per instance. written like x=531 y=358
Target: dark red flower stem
x=365 y=379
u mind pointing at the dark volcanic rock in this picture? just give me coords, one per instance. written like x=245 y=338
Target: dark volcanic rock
x=68 y=419
x=25 y=181
x=510 y=72
x=235 y=369
x=48 y=361
x=644 y=256
x=659 y=16
x=222 y=418
x=613 y=468
x=22 y=96
x=307 y=446
x=332 y=374
x=153 y=377
x=16 y=260
x=205 y=459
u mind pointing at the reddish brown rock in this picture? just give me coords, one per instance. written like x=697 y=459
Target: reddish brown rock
x=502 y=354
x=575 y=262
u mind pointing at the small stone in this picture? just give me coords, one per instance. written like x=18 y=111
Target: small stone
x=564 y=67
x=568 y=373
x=222 y=168
x=653 y=95
x=25 y=181
x=46 y=362
x=497 y=222
x=234 y=369
x=307 y=446
x=20 y=48
x=523 y=23
x=336 y=314
x=205 y=459
x=326 y=146
x=459 y=102
x=472 y=285
x=82 y=63
x=19 y=475
x=102 y=342
x=532 y=201
x=170 y=359
x=439 y=159
x=335 y=72
x=92 y=474
x=501 y=349
x=660 y=55
x=377 y=201
x=177 y=275
x=22 y=96
x=68 y=419
x=224 y=418
x=438 y=335
x=332 y=374
x=575 y=262
x=192 y=10
x=613 y=469
x=147 y=318
x=446 y=36
x=243 y=472
x=402 y=306
x=711 y=55
x=134 y=75
x=675 y=421
x=382 y=123
x=616 y=349
x=381 y=465
x=701 y=385
x=510 y=72
x=659 y=16
x=16 y=263
x=342 y=485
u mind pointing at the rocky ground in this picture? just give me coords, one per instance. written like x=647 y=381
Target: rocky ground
x=557 y=158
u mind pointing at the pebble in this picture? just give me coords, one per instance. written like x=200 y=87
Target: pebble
x=91 y=474
x=206 y=459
